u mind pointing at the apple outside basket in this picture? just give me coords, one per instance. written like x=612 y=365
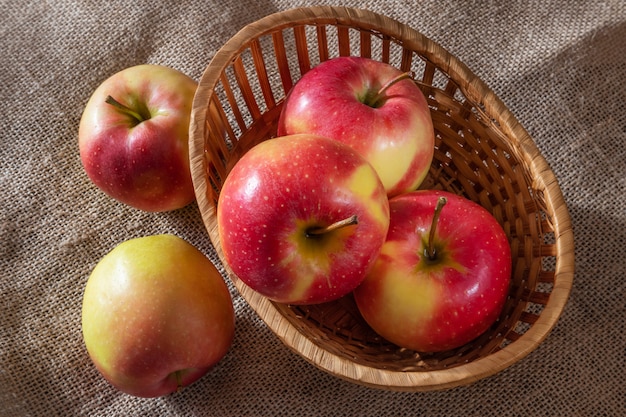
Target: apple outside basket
x=481 y=152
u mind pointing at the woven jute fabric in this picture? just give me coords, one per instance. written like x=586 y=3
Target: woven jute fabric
x=558 y=65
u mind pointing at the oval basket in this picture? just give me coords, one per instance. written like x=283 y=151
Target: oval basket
x=482 y=153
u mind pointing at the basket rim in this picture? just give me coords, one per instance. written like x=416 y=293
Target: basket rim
x=475 y=90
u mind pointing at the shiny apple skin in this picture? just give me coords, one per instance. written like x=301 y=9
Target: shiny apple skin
x=396 y=136
x=278 y=191
x=152 y=307
x=432 y=306
x=144 y=165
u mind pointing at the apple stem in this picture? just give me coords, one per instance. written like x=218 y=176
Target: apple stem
x=317 y=231
x=136 y=115
x=379 y=95
x=179 y=380
x=431 y=252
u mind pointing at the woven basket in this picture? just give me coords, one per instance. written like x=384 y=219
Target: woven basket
x=482 y=153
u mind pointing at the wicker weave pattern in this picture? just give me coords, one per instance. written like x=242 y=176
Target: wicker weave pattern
x=481 y=152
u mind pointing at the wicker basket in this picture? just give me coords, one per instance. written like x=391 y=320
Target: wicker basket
x=482 y=152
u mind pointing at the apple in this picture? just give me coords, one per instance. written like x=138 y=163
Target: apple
x=301 y=218
x=133 y=137
x=156 y=315
x=371 y=106
x=442 y=276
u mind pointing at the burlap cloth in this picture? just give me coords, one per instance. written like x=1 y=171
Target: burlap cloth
x=560 y=66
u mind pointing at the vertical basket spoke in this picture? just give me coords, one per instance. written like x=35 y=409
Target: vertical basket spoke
x=343 y=38
x=246 y=90
x=259 y=65
x=322 y=42
x=407 y=58
x=366 y=44
x=232 y=101
x=282 y=61
x=302 y=49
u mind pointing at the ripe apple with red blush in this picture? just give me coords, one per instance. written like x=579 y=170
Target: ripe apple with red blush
x=442 y=276
x=156 y=315
x=371 y=106
x=133 y=137
x=302 y=218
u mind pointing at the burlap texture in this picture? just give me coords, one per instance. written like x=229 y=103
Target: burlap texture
x=559 y=66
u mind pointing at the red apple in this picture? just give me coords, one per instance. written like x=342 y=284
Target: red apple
x=371 y=106
x=301 y=219
x=156 y=316
x=438 y=282
x=133 y=137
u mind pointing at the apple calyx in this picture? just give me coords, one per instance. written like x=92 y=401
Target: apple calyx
x=430 y=252
x=138 y=116
x=375 y=101
x=314 y=232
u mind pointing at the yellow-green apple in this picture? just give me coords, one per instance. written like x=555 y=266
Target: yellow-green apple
x=301 y=218
x=156 y=316
x=373 y=107
x=133 y=137
x=442 y=276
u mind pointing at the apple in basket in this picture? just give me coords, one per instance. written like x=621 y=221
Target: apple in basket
x=156 y=315
x=442 y=276
x=133 y=137
x=373 y=107
x=301 y=218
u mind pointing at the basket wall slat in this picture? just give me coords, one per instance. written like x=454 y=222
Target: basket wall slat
x=246 y=90
x=366 y=44
x=302 y=49
x=343 y=36
x=259 y=66
x=281 y=58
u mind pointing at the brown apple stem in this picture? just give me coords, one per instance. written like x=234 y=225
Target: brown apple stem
x=317 y=231
x=385 y=87
x=179 y=380
x=431 y=252
x=138 y=116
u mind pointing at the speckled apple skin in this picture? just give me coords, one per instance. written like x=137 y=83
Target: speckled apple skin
x=396 y=136
x=435 y=306
x=144 y=165
x=156 y=315
x=285 y=186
